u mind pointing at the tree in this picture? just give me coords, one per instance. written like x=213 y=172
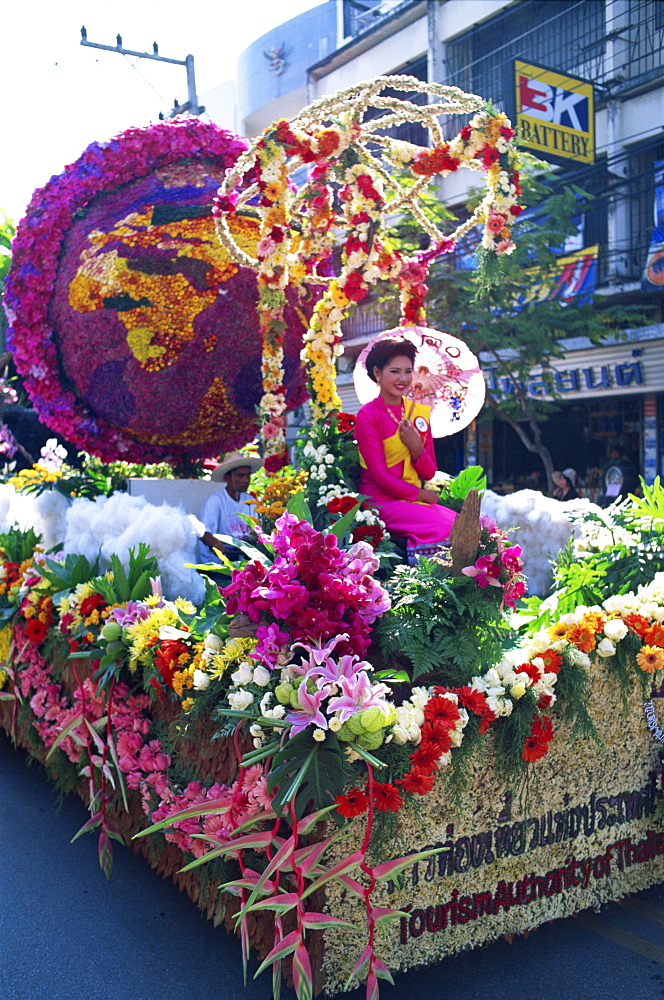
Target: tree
x=505 y=323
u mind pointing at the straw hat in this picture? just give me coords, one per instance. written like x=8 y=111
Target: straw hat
x=235 y=460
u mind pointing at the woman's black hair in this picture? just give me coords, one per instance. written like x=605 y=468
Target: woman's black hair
x=383 y=351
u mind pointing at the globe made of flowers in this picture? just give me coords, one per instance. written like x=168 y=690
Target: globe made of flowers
x=136 y=333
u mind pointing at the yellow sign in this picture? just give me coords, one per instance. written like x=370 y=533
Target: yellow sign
x=555 y=114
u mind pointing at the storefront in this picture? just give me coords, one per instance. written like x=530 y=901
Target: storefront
x=605 y=394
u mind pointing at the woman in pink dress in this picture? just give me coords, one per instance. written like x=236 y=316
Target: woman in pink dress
x=397 y=455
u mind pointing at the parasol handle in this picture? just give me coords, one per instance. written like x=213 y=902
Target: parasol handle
x=411 y=402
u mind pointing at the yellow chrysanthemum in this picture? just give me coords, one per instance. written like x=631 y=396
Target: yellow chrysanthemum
x=3 y=677
x=143 y=633
x=5 y=643
x=234 y=651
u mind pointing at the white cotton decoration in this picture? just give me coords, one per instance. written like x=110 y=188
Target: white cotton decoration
x=50 y=510
x=114 y=525
x=542 y=528
x=7 y=495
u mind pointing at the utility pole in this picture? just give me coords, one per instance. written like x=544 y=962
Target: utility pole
x=191 y=106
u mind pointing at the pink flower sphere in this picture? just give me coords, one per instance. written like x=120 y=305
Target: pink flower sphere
x=136 y=334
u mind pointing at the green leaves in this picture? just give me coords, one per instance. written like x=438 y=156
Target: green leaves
x=441 y=623
x=309 y=772
x=456 y=491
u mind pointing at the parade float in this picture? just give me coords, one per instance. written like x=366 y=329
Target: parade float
x=355 y=764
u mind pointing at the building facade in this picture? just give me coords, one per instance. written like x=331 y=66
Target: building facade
x=534 y=57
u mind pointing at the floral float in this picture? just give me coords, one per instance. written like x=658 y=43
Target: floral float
x=280 y=673
x=136 y=334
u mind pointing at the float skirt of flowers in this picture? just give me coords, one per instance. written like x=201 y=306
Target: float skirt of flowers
x=585 y=832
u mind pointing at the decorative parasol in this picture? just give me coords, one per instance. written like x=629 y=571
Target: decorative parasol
x=447 y=378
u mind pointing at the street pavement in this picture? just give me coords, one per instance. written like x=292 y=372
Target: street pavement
x=68 y=934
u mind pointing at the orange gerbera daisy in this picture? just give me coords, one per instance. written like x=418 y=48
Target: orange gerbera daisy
x=582 y=636
x=650 y=658
x=596 y=620
x=552 y=660
x=637 y=623
x=654 y=635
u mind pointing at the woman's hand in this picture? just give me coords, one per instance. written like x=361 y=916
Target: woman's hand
x=427 y=496
x=411 y=439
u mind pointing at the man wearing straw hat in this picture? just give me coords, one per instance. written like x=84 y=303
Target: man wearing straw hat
x=220 y=511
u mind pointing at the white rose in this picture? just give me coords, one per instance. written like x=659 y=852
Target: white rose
x=615 y=630
x=243 y=675
x=212 y=641
x=606 y=648
x=262 y=676
x=201 y=680
x=241 y=699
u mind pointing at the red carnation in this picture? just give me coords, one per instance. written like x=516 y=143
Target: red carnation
x=387 y=798
x=353 y=803
x=275 y=462
x=345 y=422
x=417 y=782
x=341 y=505
x=370 y=533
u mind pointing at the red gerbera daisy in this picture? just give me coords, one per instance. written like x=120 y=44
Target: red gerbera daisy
x=387 y=798
x=353 y=803
x=35 y=630
x=95 y=602
x=637 y=623
x=534 y=749
x=425 y=757
x=443 y=710
x=474 y=701
x=438 y=735
x=531 y=669
x=417 y=782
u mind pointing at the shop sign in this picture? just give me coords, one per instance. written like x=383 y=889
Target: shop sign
x=553 y=113
x=590 y=379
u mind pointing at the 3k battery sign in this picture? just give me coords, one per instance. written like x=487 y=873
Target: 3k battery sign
x=555 y=114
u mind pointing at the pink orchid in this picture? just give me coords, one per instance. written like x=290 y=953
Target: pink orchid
x=485 y=571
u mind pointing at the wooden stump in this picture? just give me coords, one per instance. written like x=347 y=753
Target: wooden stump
x=465 y=534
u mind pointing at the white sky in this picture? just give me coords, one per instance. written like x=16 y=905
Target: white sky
x=58 y=96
